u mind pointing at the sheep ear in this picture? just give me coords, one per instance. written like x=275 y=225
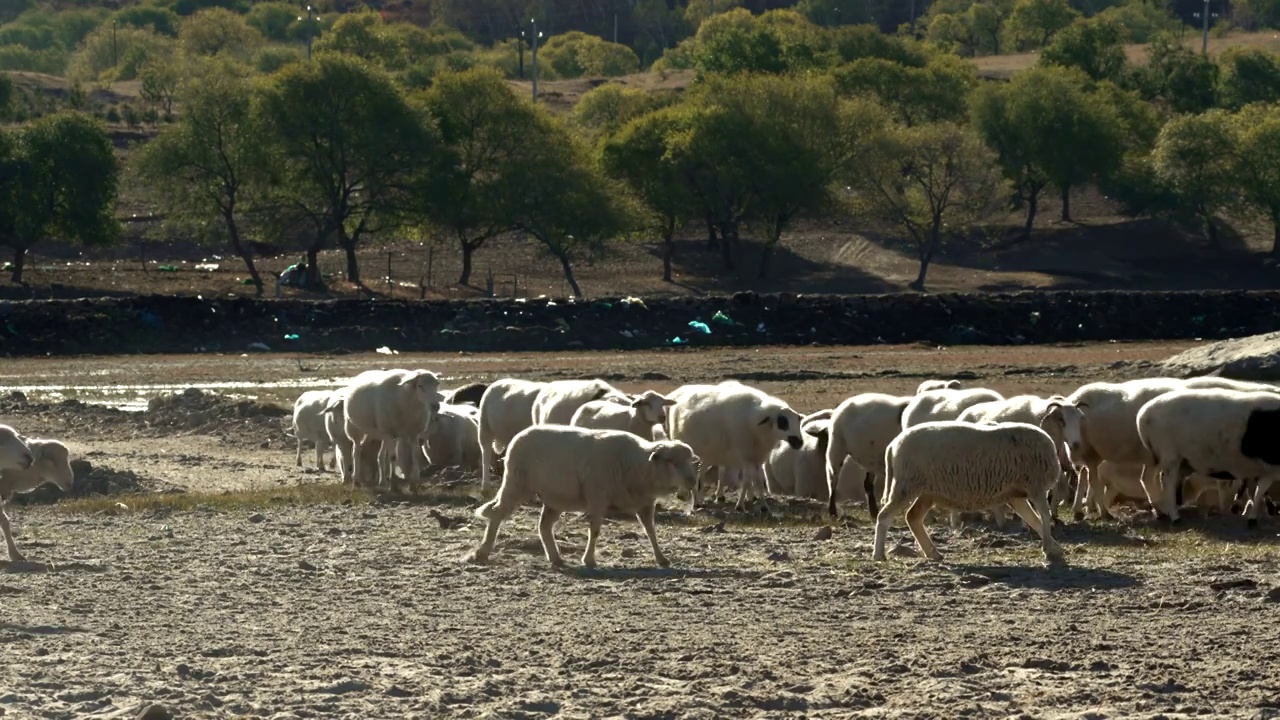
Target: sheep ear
x=655 y=456
x=668 y=402
x=767 y=419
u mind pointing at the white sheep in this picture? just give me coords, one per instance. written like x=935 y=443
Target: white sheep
x=944 y=404
x=803 y=472
x=308 y=424
x=14 y=453
x=1225 y=434
x=50 y=461
x=589 y=471
x=929 y=385
x=969 y=467
x=639 y=417
x=392 y=406
x=1063 y=421
x=732 y=426
x=1123 y=481
x=452 y=438
x=1111 y=432
x=861 y=429
x=505 y=409
x=559 y=400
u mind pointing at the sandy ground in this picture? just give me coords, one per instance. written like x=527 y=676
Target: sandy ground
x=366 y=610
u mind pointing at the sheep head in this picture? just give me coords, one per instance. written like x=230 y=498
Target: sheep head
x=678 y=461
x=652 y=407
x=785 y=423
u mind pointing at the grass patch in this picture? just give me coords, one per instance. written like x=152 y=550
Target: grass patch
x=225 y=501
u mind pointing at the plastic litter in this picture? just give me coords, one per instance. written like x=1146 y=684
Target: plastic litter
x=628 y=334
x=167 y=268
x=1035 y=317
x=604 y=305
x=633 y=301
x=677 y=340
x=384 y=350
x=259 y=346
x=721 y=318
x=207 y=266
x=291 y=336
x=700 y=326
x=760 y=328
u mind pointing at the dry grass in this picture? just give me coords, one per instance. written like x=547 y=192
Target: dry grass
x=309 y=494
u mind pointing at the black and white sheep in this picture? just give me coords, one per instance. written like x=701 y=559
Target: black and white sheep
x=969 y=467
x=573 y=469
x=1225 y=434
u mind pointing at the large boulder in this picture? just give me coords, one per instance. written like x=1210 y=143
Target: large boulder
x=1256 y=357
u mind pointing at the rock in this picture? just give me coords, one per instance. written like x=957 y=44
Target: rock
x=824 y=533
x=717 y=528
x=778 y=556
x=154 y=711
x=972 y=580
x=257 y=518
x=1256 y=357
x=307 y=566
x=1273 y=595
x=1237 y=584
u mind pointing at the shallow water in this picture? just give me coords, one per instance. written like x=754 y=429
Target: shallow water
x=134 y=398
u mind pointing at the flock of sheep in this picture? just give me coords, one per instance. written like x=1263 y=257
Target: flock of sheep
x=584 y=446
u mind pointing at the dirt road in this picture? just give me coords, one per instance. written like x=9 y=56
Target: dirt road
x=365 y=609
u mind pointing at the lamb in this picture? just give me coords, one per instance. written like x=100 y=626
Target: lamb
x=803 y=472
x=1225 y=434
x=505 y=409
x=1110 y=428
x=333 y=415
x=559 y=400
x=466 y=395
x=929 y=385
x=590 y=471
x=452 y=438
x=308 y=424
x=861 y=429
x=1063 y=421
x=732 y=426
x=647 y=410
x=945 y=404
x=1124 y=481
x=392 y=406
x=966 y=466
x=50 y=461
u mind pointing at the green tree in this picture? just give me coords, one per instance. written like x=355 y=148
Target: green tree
x=565 y=201
x=59 y=181
x=1034 y=22
x=159 y=84
x=577 y=54
x=348 y=143
x=365 y=35
x=1194 y=155
x=938 y=91
x=216 y=31
x=487 y=129
x=1248 y=75
x=1094 y=46
x=932 y=181
x=639 y=155
x=605 y=109
x=1257 y=131
x=1184 y=79
x=210 y=167
x=1048 y=129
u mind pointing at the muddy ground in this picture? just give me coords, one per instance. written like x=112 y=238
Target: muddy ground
x=365 y=609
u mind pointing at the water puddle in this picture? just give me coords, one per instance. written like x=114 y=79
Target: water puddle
x=134 y=398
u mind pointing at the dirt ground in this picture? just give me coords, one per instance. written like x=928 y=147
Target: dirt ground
x=365 y=609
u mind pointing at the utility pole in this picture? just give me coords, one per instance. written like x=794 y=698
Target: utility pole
x=534 y=35
x=615 y=28
x=520 y=51
x=1204 y=46
x=115 y=58
x=310 y=28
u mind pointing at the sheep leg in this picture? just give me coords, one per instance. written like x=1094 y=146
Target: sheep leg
x=891 y=508
x=645 y=517
x=1095 y=492
x=869 y=487
x=593 y=534
x=999 y=516
x=299 y=456
x=955 y=518
x=14 y=555
x=1080 y=502
x=1255 y=505
x=1171 y=478
x=1035 y=513
x=546 y=531
x=481 y=553
x=915 y=520
x=321 y=448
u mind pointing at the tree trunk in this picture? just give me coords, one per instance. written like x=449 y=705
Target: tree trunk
x=353 y=266
x=926 y=254
x=669 y=249
x=1275 y=229
x=1033 y=202
x=712 y=240
x=728 y=236
x=568 y=276
x=1210 y=228
x=1066 y=204
x=467 y=250
x=233 y=232
x=19 y=260
x=767 y=254
x=313 y=281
